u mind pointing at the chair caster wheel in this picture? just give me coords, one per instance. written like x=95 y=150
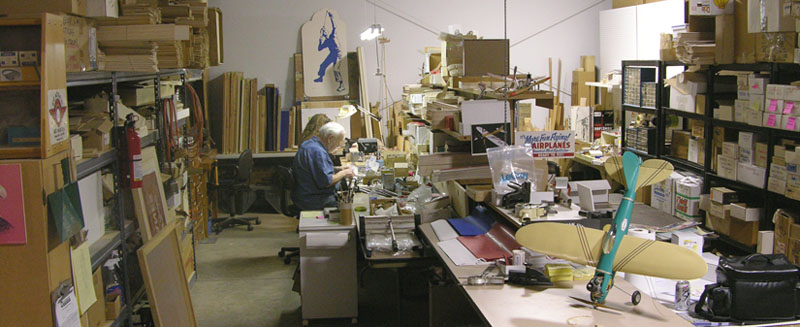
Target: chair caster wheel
x=258 y=221
x=636 y=297
x=281 y=253
x=249 y=228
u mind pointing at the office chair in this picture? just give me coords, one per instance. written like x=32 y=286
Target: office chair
x=233 y=180
x=285 y=179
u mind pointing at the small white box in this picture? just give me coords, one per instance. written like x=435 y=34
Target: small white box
x=778 y=172
x=708 y=8
x=724 y=113
x=776 y=185
x=765 y=241
x=743 y=82
x=680 y=101
x=689 y=240
x=755 y=118
x=720 y=210
x=746 y=140
x=772 y=120
x=790 y=123
x=756 y=102
x=742 y=212
x=758 y=85
x=726 y=167
x=774 y=106
x=730 y=149
x=760 y=154
x=751 y=174
x=694 y=150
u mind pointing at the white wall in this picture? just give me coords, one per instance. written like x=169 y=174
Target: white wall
x=261 y=36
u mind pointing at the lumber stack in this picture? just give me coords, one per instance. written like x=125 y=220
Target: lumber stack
x=126 y=45
x=134 y=14
x=241 y=117
x=695 y=48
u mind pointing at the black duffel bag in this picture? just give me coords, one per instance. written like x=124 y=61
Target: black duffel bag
x=751 y=288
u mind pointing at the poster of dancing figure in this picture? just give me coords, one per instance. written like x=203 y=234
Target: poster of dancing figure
x=325 y=55
x=12 y=205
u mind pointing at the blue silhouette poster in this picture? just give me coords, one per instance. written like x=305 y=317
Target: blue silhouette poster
x=325 y=55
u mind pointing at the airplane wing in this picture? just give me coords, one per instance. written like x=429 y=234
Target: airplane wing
x=635 y=255
x=650 y=172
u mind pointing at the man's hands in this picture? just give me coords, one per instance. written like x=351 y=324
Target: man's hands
x=344 y=173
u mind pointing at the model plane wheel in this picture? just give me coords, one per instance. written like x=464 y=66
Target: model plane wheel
x=258 y=221
x=249 y=228
x=636 y=297
x=281 y=253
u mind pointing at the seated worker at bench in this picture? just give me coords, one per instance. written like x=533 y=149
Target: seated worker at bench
x=313 y=170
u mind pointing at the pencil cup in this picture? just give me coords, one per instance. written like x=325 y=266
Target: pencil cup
x=346 y=213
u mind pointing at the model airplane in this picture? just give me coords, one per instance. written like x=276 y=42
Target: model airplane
x=610 y=250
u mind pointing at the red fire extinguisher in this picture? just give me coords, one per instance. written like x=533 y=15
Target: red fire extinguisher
x=132 y=165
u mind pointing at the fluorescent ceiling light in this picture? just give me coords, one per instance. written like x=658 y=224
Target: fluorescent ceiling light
x=372 y=32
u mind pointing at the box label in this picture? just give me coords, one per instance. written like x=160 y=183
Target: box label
x=549 y=144
x=787 y=107
x=57 y=115
x=773 y=105
x=791 y=122
x=771 y=120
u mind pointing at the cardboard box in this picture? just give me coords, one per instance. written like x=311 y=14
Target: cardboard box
x=96 y=315
x=663 y=193
x=778 y=15
x=687 y=198
x=775 y=91
x=696 y=151
x=698 y=129
x=625 y=3
x=790 y=123
x=717 y=224
x=771 y=120
x=96 y=133
x=792 y=186
x=724 y=113
x=791 y=93
x=483 y=56
x=726 y=167
x=756 y=102
x=102 y=8
x=745 y=232
x=754 y=117
x=680 y=144
x=742 y=212
x=113 y=306
x=76 y=144
x=723 y=195
x=730 y=150
x=751 y=174
x=700 y=104
x=746 y=156
x=724 y=38
x=790 y=107
x=681 y=101
x=9 y=59
x=689 y=240
x=783 y=221
x=740 y=109
x=143 y=95
x=29 y=58
x=80 y=44
x=766 y=239
x=778 y=172
x=779 y=150
x=709 y=8
x=776 y=185
x=758 y=84
x=760 y=157
x=11 y=7
x=773 y=106
x=746 y=140
x=720 y=210
x=776 y=47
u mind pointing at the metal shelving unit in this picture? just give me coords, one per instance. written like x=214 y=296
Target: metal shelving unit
x=779 y=73
x=101 y=250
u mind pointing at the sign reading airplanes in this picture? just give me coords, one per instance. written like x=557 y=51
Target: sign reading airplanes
x=549 y=144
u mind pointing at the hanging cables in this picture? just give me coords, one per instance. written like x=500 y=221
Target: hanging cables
x=196 y=132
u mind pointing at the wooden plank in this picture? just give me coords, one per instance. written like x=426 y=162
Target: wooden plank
x=299 y=95
x=149 y=201
x=458 y=198
x=54 y=77
x=362 y=82
x=216 y=49
x=155 y=32
x=164 y=278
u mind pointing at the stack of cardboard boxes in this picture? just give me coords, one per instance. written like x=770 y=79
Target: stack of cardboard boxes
x=725 y=215
x=784 y=177
x=780 y=109
x=787 y=235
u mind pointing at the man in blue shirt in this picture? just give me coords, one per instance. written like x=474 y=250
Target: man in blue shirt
x=314 y=176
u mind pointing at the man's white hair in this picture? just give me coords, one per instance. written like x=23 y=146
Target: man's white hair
x=330 y=129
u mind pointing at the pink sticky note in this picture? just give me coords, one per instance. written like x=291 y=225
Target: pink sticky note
x=788 y=107
x=771 y=120
x=773 y=105
x=790 y=123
